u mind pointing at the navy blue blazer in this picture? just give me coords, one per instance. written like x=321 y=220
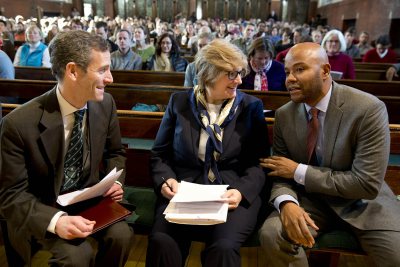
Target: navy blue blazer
x=245 y=140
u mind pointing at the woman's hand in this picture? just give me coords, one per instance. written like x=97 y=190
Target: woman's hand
x=166 y=187
x=233 y=197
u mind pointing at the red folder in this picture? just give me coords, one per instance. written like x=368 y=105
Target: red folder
x=103 y=210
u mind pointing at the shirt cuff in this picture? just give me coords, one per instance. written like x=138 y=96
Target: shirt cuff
x=300 y=174
x=282 y=198
x=52 y=225
x=118 y=183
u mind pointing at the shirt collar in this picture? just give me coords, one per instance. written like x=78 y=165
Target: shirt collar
x=65 y=107
x=322 y=105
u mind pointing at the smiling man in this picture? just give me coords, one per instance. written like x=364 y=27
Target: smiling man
x=55 y=144
x=331 y=149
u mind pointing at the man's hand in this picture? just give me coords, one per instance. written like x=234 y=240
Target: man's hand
x=280 y=166
x=166 y=188
x=71 y=227
x=390 y=73
x=296 y=223
x=233 y=197
x=116 y=192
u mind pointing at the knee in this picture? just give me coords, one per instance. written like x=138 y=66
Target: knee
x=76 y=256
x=159 y=240
x=269 y=236
x=225 y=246
x=120 y=233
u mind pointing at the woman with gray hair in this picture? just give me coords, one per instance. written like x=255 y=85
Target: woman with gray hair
x=212 y=134
x=341 y=64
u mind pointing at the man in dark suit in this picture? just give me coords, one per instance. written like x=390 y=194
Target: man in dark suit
x=339 y=182
x=35 y=139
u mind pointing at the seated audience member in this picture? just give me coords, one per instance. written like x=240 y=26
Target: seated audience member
x=393 y=72
x=7 y=70
x=351 y=49
x=331 y=149
x=363 y=43
x=266 y=74
x=143 y=46
x=316 y=36
x=382 y=53
x=50 y=35
x=285 y=42
x=124 y=58
x=187 y=147
x=222 y=31
x=193 y=40
x=335 y=46
x=190 y=74
x=7 y=38
x=167 y=56
x=42 y=146
x=76 y=25
x=244 y=42
x=33 y=53
x=299 y=35
x=187 y=34
x=19 y=35
x=102 y=31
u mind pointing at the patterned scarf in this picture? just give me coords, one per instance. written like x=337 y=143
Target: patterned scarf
x=214 y=131
x=162 y=63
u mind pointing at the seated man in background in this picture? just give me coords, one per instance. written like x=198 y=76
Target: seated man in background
x=331 y=149
x=55 y=144
x=190 y=75
x=382 y=53
x=102 y=31
x=124 y=58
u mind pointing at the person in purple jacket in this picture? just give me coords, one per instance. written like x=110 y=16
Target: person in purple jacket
x=261 y=64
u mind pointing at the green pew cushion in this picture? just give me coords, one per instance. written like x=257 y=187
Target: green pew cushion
x=337 y=239
x=144 y=199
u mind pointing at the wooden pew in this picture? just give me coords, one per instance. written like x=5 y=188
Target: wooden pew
x=161 y=77
x=127 y=95
x=371 y=66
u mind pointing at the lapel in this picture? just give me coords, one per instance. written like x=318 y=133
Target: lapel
x=52 y=136
x=332 y=123
x=300 y=122
x=94 y=128
x=230 y=128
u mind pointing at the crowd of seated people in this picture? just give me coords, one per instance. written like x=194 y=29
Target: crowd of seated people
x=181 y=35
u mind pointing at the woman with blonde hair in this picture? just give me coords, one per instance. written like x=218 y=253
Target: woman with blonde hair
x=212 y=134
x=33 y=53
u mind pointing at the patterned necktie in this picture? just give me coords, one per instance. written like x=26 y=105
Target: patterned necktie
x=73 y=164
x=312 y=135
x=264 y=81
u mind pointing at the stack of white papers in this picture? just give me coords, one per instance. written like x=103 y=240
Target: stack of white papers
x=197 y=204
x=90 y=192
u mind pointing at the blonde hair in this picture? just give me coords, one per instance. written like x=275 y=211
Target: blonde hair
x=31 y=28
x=217 y=57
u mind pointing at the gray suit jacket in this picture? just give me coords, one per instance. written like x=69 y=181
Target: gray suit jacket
x=32 y=160
x=356 y=147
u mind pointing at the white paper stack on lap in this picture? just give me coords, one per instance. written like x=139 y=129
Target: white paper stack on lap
x=197 y=204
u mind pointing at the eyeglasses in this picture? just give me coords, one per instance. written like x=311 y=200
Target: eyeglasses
x=332 y=41
x=233 y=74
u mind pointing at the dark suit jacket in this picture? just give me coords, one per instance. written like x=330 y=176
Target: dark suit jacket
x=32 y=160
x=356 y=146
x=245 y=140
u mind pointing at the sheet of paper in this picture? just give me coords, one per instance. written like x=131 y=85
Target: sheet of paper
x=191 y=192
x=198 y=205
x=90 y=192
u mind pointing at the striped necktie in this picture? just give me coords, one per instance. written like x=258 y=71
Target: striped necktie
x=73 y=164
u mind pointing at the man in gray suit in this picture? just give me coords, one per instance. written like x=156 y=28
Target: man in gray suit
x=342 y=187
x=35 y=144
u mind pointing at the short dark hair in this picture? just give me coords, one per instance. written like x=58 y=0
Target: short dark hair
x=73 y=46
x=4 y=22
x=101 y=24
x=261 y=44
x=383 y=40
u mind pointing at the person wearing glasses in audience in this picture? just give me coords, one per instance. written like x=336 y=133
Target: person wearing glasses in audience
x=211 y=134
x=342 y=66
x=167 y=56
